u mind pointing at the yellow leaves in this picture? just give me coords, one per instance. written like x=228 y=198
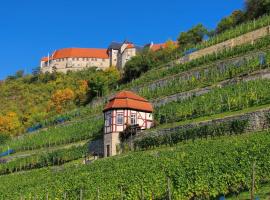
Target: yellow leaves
x=170 y=45
x=60 y=99
x=113 y=72
x=81 y=92
x=9 y=122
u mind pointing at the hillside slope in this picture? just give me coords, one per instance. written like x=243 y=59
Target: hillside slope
x=200 y=169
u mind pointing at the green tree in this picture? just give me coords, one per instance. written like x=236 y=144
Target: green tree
x=193 y=36
x=256 y=8
x=231 y=21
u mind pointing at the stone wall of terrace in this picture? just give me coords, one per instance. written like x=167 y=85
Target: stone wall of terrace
x=257 y=120
x=243 y=39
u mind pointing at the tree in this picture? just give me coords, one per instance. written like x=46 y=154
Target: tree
x=256 y=8
x=9 y=123
x=113 y=75
x=193 y=36
x=19 y=74
x=231 y=21
x=81 y=92
x=61 y=99
x=139 y=64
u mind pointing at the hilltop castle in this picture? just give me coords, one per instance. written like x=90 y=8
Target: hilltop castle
x=73 y=59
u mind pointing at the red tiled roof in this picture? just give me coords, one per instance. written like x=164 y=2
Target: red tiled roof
x=156 y=47
x=127 y=99
x=45 y=59
x=78 y=53
x=129 y=46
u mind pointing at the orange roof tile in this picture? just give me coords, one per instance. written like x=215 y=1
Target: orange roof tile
x=129 y=46
x=80 y=53
x=156 y=47
x=45 y=59
x=127 y=99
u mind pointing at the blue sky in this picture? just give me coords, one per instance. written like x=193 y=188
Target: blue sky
x=32 y=28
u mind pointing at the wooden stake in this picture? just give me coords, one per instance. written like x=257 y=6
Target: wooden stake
x=81 y=194
x=252 y=183
x=98 y=193
x=121 y=191
x=142 y=195
x=169 y=189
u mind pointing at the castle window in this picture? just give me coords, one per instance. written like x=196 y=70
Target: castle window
x=133 y=120
x=120 y=119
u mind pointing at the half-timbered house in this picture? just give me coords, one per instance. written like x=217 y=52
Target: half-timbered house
x=123 y=110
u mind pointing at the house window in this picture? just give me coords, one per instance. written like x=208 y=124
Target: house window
x=133 y=119
x=77 y=59
x=108 y=120
x=73 y=59
x=120 y=119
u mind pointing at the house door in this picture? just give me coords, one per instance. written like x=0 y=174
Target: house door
x=108 y=150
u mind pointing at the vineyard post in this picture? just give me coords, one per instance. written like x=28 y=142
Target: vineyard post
x=169 y=189
x=65 y=196
x=47 y=196
x=142 y=196
x=121 y=192
x=152 y=196
x=81 y=194
x=98 y=193
x=252 y=182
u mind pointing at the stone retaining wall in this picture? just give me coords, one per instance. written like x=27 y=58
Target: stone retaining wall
x=257 y=120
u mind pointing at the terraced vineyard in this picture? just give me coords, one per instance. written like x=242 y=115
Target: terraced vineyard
x=47 y=158
x=65 y=134
x=201 y=169
x=156 y=74
x=230 y=98
x=200 y=163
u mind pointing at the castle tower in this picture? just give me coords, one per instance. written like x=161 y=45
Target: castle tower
x=124 y=109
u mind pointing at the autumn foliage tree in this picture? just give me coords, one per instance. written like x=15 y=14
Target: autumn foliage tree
x=61 y=99
x=81 y=92
x=9 y=123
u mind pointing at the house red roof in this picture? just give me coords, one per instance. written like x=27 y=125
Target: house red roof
x=127 y=99
x=130 y=46
x=78 y=53
x=156 y=47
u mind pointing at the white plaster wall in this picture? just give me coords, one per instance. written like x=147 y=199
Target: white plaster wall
x=74 y=64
